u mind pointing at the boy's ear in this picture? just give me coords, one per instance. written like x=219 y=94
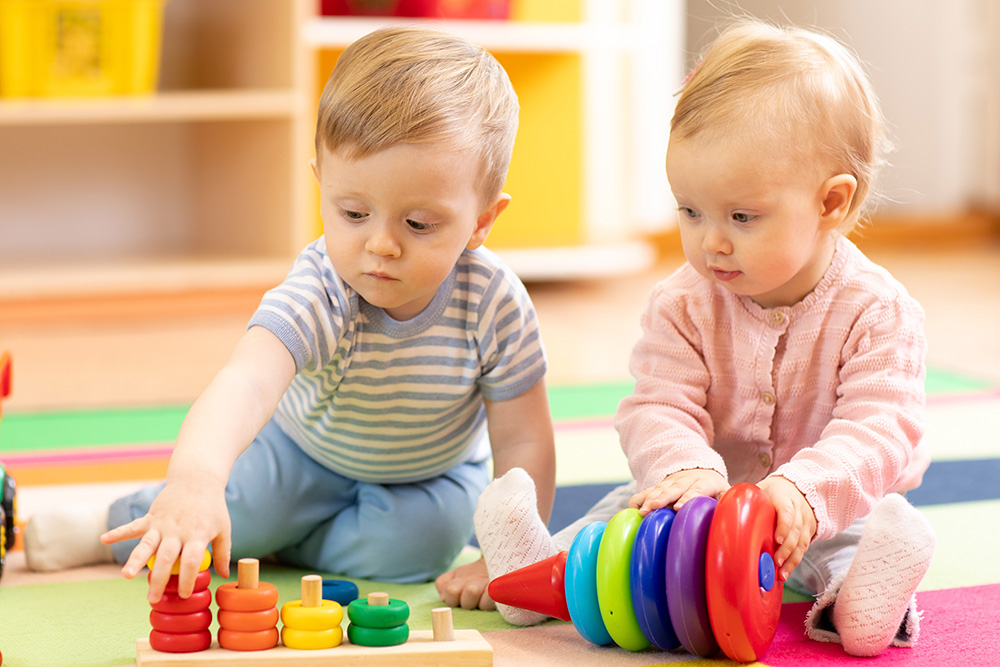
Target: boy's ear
x=836 y=194
x=484 y=223
x=312 y=165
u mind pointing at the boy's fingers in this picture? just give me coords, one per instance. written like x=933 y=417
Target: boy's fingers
x=166 y=556
x=471 y=593
x=129 y=531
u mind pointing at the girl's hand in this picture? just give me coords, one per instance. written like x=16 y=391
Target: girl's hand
x=678 y=488
x=186 y=516
x=796 y=523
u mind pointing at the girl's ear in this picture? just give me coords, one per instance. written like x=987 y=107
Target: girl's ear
x=312 y=165
x=484 y=223
x=836 y=193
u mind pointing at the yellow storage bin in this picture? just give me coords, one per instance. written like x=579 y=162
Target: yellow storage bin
x=69 y=48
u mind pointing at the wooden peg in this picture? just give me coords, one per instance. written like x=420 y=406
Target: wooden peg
x=442 y=625
x=312 y=590
x=378 y=599
x=247 y=573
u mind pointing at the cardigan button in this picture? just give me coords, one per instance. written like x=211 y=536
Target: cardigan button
x=768 y=398
x=778 y=318
x=765 y=460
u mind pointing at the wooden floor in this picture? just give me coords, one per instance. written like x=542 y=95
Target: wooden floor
x=164 y=350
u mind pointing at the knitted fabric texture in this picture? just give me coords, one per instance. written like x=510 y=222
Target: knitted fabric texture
x=828 y=393
x=511 y=534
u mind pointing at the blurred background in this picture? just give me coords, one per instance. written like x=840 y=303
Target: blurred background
x=154 y=171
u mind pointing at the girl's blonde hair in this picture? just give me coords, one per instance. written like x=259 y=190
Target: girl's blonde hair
x=792 y=88
x=416 y=85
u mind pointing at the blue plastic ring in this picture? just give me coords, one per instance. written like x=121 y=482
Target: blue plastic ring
x=649 y=579
x=581 y=585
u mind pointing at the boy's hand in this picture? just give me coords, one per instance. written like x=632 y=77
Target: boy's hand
x=678 y=488
x=796 y=523
x=465 y=587
x=185 y=517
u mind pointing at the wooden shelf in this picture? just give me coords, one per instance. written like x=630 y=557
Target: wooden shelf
x=194 y=105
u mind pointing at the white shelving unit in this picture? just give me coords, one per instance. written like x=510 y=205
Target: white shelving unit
x=200 y=185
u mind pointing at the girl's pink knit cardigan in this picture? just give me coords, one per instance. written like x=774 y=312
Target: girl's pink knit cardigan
x=828 y=393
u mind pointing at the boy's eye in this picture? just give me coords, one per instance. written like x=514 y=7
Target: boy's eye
x=353 y=215
x=688 y=212
x=743 y=218
x=419 y=226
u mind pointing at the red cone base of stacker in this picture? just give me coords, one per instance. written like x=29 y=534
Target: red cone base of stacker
x=537 y=587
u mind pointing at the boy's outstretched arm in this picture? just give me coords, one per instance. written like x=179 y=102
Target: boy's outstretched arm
x=190 y=512
x=521 y=436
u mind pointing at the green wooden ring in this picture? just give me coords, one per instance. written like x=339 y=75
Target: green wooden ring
x=389 y=615
x=362 y=636
x=614 y=594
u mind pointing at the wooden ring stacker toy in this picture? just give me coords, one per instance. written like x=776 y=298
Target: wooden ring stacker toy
x=315 y=612
x=247 y=613
x=718 y=557
x=180 y=625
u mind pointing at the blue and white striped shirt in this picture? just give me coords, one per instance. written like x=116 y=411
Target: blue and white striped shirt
x=384 y=401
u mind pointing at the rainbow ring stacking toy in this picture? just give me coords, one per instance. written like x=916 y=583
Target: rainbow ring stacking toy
x=702 y=578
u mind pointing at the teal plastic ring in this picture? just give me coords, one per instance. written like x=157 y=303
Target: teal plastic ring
x=581 y=585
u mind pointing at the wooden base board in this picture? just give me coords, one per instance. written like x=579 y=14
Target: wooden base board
x=468 y=649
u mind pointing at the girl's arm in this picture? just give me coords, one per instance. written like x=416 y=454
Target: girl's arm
x=190 y=512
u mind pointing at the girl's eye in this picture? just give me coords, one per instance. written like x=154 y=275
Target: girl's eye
x=353 y=215
x=689 y=213
x=743 y=218
x=420 y=226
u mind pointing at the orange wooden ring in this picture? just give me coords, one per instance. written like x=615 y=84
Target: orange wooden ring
x=260 y=640
x=248 y=621
x=175 y=604
x=201 y=581
x=186 y=643
x=228 y=596
x=179 y=624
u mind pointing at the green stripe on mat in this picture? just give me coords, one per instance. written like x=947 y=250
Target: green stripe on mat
x=28 y=432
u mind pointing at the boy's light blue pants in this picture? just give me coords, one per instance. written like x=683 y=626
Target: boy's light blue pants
x=283 y=502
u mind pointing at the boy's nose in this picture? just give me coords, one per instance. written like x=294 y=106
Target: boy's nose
x=381 y=241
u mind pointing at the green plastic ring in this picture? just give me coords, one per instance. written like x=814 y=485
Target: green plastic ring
x=362 y=636
x=614 y=594
x=389 y=615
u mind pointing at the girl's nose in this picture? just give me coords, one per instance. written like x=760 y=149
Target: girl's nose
x=715 y=241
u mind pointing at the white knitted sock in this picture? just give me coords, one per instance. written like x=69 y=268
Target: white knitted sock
x=65 y=537
x=893 y=556
x=511 y=534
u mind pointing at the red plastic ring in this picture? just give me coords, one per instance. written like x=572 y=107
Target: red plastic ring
x=744 y=616
x=228 y=596
x=260 y=640
x=248 y=621
x=175 y=604
x=179 y=624
x=186 y=643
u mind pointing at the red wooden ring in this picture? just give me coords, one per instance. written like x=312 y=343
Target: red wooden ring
x=180 y=624
x=228 y=596
x=186 y=643
x=175 y=604
x=744 y=616
x=248 y=621
x=201 y=581
x=260 y=640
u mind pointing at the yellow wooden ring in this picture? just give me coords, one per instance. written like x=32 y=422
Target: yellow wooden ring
x=311 y=639
x=206 y=562
x=294 y=615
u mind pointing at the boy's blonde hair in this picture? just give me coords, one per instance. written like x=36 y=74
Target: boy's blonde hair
x=416 y=85
x=797 y=89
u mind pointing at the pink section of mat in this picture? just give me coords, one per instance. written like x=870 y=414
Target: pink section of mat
x=960 y=626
